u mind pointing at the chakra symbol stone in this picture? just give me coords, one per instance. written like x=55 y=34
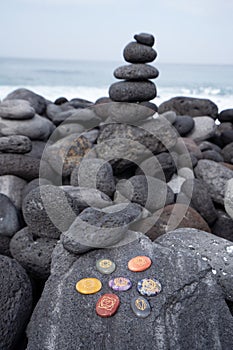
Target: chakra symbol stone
x=120 y=284
x=141 y=307
x=139 y=263
x=88 y=286
x=107 y=305
x=105 y=266
x=149 y=287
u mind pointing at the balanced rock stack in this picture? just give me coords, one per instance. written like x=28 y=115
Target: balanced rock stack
x=136 y=86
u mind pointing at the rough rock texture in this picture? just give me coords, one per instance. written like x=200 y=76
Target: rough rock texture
x=48 y=211
x=15 y=302
x=5 y=245
x=94 y=173
x=190 y=106
x=13 y=186
x=145 y=39
x=100 y=228
x=127 y=91
x=217 y=251
x=190 y=296
x=136 y=72
x=9 y=221
x=36 y=101
x=139 y=53
x=34 y=254
x=15 y=144
x=215 y=175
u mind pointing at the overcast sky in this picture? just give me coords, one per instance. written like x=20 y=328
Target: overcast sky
x=186 y=31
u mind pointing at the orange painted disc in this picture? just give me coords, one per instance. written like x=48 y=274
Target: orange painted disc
x=139 y=263
x=107 y=305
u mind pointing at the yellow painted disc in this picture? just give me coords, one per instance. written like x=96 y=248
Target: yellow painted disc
x=88 y=286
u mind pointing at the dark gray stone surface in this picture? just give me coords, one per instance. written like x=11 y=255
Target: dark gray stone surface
x=13 y=186
x=226 y=115
x=137 y=71
x=139 y=53
x=190 y=106
x=66 y=320
x=16 y=109
x=145 y=38
x=34 y=254
x=216 y=251
x=38 y=102
x=223 y=226
x=48 y=210
x=9 y=221
x=15 y=144
x=183 y=124
x=15 y=302
x=215 y=175
x=95 y=228
x=5 y=246
x=94 y=173
x=213 y=155
x=201 y=201
x=227 y=153
x=59 y=113
x=132 y=91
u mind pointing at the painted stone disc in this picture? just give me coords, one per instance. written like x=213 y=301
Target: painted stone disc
x=107 y=305
x=88 y=286
x=141 y=307
x=105 y=266
x=149 y=287
x=120 y=284
x=139 y=263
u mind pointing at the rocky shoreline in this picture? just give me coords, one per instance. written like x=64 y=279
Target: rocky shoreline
x=113 y=179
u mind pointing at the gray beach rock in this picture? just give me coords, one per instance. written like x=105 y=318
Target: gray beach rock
x=34 y=184
x=145 y=39
x=5 y=245
x=88 y=197
x=215 y=176
x=86 y=117
x=227 y=153
x=223 y=226
x=189 y=292
x=16 y=109
x=15 y=144
x=213 y=155
x=226 y=115
x=13 y=186
x=137 y=71
x=48 y=210
x=66 y=129
x=94 y=173
x=175 y=183
x=139 y=53
x=216 y=251
x=190 y=106
x=36 y=128
x=204 y=128
x=38 y=102
x=183 y=124
x=34 y=254
x=37 y=149
x=132 y=91
x=95 y=228
x=201 y=201
x=9 y=221
x=15 y=302
x=59 y=113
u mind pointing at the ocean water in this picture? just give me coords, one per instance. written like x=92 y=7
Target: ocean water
x=91 y=79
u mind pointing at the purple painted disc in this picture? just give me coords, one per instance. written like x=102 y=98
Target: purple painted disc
x=120 y=284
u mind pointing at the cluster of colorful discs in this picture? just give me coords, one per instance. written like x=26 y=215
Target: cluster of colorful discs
x=108 y=304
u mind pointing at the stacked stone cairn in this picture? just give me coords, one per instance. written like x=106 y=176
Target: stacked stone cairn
x=136 y=86
x=82 y=182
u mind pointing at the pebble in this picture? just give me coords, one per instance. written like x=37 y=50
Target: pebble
x=15 y=144
x=145 y=39
x=88 y=286
x=149 y=287
x=141 y=307
x=105 y=266
x=203 y=129
x=226 y=115
x=120 y=284
x=128 y=91
x=183 y=124
x=16 y=109
x=139 y=53
x=107 y=305
x=139 y=263
x=137 y=71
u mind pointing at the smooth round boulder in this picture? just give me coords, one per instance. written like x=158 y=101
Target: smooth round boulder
x=16 y=109
x=139 y=53
x=226 y=115
x=15 y=302
x=137 y=71
x=204 y=128
x=34 y=254
x=15 y=144
x=227 y=153
x=213 y=155
x=128 y=91
x=145 y=39
x=9 y=220
x=183 y=124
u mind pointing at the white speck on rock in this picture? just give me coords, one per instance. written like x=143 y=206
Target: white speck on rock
x=229 y=249
x=214 y=271
x=204 y=258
